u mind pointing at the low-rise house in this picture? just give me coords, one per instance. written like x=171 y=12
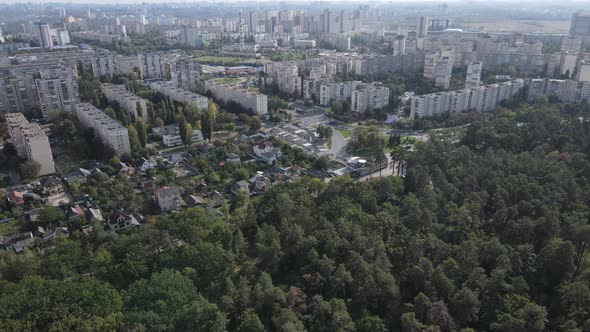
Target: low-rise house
x=93 y=215
x=277 y=173
x=17 y=242
x=119 y=220
x=193 y=200
x=241 y=185
x=266 y=152
x=168 y=199
x=232 y=158
x=216 y=199
x=121 y=167
x=80 y=176
x=51 y=185
x=16 y=197
x=146 y=164
x=48 y=236
x=74 y=212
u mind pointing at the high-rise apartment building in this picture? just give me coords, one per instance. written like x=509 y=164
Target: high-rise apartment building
x=580 y=25
x=473 y=77
x=228 y=89
x=152 y=65
x=567 y=91
x=44 y=34
x=30 y=142
x=480 y=99
x=178 y=94
x=134 y=105
x=185 y=73
x=57 y=90
x=109 y=131
x=399 y=45
x=369 y=96
x=422 y=27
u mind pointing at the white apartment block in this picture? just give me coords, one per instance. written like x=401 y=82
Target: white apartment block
x=127 y=64
x=340 y=91
x=567 y=91
x=583 y=72
x=134 y=105
x=57 y=90
x=567 y=63
x=473 y=78
x=481 y=99
x=311 y=87
x=239 y=93
x=30 y=142
x=107 y=129
x=186 y=73
x=180 y=95
x=105 y=65
x=286 y=75
x=366 y=96
x=152 y=65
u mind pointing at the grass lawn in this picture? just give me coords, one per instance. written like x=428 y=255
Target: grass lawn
x=345 y=132
x=226 y=60
x=9 y=228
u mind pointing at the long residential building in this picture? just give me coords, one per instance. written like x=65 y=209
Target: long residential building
x=178 y=94
x=369 y=96
x=134 y=105
x=107 y=129
x=30 y=142
x=567 y=91
x=362 y=95
x=480 y=99
x=238 y=91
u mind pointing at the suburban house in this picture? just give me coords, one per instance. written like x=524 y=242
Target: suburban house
x=193 y=200
x=17 y=242
x=16 y=197
x=51 y=185
x=232 y=158
x=52 y=234
x=168 y=199
x=93 y=215
x=119 y=220
x=241 y=185
x=145 y=164
x=266 y=152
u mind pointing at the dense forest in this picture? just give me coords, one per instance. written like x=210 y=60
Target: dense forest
x=488 y=233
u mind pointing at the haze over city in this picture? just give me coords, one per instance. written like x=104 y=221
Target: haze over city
x=368 y=166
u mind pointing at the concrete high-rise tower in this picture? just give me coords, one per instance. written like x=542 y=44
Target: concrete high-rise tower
x=422 y=27
x=473 y=75
x=399 y=45
x=44 y=35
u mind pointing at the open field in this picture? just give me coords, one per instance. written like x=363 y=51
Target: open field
x=226 y=60
x=524 y=26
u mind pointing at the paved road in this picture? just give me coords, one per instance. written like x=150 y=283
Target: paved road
x=387 y=171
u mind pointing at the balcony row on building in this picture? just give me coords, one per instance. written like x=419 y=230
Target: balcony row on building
x=178 y=94
x=237 y=90
x=480 y=99
x=363 y=96
x=30 y=142
x=567 y=91
x=109 y=131
x=134 y=105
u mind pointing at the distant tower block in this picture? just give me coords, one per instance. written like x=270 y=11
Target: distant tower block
x=44 y=35
x=399 y=45
x=473 y=75
x=422 y=27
